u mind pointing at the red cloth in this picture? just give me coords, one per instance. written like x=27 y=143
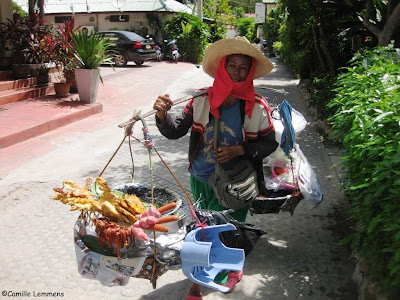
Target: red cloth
x=223 y=86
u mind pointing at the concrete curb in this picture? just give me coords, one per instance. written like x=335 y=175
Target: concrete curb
x=39 y=116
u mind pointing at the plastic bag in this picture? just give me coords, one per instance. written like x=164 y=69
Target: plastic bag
x=308 y=182
x=298 y=123
x=100 y=263
x=105 y=268
x=281 y=177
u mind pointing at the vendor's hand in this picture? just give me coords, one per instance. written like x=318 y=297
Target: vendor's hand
x=226 y=153
x=162 y=105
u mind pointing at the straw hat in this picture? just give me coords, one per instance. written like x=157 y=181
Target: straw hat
x=238 y=45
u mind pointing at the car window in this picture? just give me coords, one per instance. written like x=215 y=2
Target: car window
x=133 y=36
x=112 y=37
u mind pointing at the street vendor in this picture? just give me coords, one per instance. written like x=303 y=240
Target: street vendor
x=246 y=126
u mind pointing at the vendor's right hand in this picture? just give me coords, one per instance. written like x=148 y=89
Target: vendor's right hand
x=162 y=105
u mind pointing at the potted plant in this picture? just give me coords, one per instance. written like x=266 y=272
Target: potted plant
x=65 y=35
x=46 y=55
x=61 y=61
x=18 y=44
x=90 y=50
x=37 y=51
x=5 y=59
x=43 y=76
x=63 y=57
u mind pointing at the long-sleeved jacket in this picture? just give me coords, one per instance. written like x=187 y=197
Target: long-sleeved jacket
x=259 y=131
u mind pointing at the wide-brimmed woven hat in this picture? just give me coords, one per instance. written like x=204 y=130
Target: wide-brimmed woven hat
x=238 y=45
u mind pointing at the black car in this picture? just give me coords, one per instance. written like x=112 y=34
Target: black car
x=130 y=46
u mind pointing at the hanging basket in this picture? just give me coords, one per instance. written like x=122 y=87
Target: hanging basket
x=136 y=260
x=276 y=202
x=162 y=195
x=140 y=259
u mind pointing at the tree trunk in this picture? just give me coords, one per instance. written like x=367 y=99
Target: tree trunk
x=318 y=49
x=31 y=7
x=331 y=63
x=41 y=9
x=392 y=22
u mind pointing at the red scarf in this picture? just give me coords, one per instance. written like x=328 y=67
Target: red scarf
x=223 y=86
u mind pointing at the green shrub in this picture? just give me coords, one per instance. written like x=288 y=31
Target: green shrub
x=367 y=123
x=243 y=25
x=321 y=90
x=193 y=35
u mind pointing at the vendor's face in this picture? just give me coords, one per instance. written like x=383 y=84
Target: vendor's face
x=238 y=67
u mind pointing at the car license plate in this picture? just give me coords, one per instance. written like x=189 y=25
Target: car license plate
x=148 y=47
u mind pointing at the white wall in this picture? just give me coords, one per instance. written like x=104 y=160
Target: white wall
x=101 y=21
x=6 y=10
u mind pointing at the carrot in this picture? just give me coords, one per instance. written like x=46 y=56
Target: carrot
x=158 y=227
x=168 y=219
x=167 y=207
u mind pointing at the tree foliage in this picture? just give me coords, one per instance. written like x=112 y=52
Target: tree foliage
x=321 y=33
x=193 y=35
x=222 y=15
x=382 y=18
x=366 y=122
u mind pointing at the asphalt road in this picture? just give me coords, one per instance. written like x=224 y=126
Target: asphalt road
x=298 y=258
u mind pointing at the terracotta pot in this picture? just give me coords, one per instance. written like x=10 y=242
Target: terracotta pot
x=62 y=89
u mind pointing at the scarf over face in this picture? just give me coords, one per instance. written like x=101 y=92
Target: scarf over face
x=223 y=86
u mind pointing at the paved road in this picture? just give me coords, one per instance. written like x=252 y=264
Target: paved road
x=299 y=258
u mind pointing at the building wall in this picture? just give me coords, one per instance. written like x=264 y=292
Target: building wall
x=6 y=10
x=103 y=21
x=270 y=7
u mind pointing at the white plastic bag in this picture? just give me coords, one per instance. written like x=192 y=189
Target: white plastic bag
x=308 y=182
x=298 y=123
x=107 y=269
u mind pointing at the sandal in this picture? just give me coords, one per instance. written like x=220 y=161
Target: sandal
x=194 y=297
x=233 y=279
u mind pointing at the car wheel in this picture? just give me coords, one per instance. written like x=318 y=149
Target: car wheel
x=139 y=62
x=120 y=60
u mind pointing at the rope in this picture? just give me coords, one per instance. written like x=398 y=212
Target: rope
x=109 y=161
x=148 y=143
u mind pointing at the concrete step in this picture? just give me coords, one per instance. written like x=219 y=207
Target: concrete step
x=13 y=90
x=22 y=120
x=24 y=93
x=5 y=75
x=10 y=84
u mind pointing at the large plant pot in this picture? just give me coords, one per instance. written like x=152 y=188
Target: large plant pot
x=21 y=72
x=5 y=63
x=62 y=89
x=42 y=79
x=88 y=82
x=34 y=69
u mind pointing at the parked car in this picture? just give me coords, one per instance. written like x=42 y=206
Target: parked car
x=129 y=46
